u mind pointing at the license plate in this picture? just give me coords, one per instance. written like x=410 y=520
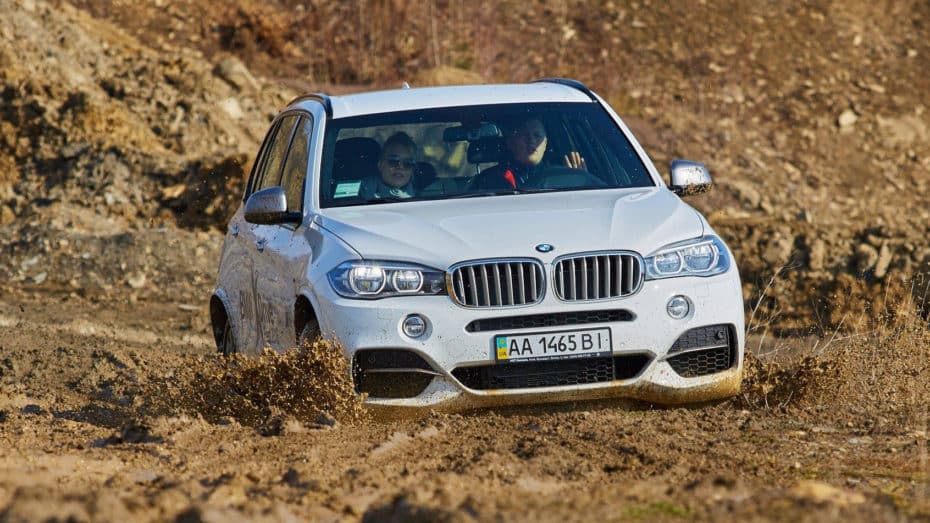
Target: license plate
x=553 y=345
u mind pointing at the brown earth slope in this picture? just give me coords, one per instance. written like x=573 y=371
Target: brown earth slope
x=125 y=132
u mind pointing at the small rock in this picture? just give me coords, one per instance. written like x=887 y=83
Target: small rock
x=292 y=478
x=746 y=193
x=903 y=131
x=73 y=150
x=145 y=476
x=32 y=409
x=229 y=495
x=7 y=215
x=236 y=74
x=820 y=492
x=817 y=253
x=273 y=425
x=325 y=419
x=778 y=252
x=136 y=281
x=847 y=119
x=132 y=433
x=40 y=278
x=883 y=261
x=232 y=107
x=173 y=192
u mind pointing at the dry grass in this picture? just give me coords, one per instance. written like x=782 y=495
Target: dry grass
x=873 y=361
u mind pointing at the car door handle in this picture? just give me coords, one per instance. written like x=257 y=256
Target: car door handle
x=234 y=229
x=260 y=244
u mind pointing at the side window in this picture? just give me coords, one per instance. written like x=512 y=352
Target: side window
x=295 y=168
x=260 y=159
x=270 y=173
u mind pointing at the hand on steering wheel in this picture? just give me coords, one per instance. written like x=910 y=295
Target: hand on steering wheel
x=575 y=161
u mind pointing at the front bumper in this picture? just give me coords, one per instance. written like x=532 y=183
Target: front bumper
x=447 y=345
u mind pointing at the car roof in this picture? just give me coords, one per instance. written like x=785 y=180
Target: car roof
x=451 y=96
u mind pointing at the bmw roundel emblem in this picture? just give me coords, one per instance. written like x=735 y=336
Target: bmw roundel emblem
x=545 y=247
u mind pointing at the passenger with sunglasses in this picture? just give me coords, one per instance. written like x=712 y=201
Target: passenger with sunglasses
x=395 y=170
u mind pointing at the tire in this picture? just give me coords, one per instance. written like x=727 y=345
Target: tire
x=309 y=333
x=227 y=345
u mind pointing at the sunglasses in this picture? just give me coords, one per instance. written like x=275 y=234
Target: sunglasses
x=398 y=162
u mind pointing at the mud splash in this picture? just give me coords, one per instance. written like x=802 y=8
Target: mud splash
x=768 y=384
x=310 y=384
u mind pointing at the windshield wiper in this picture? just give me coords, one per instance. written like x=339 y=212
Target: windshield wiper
x=354 y=202
x=483 y=193
x=497 y=193
x=384 y=200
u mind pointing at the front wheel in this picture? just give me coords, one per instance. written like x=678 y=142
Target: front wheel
x=309 y=333
x=227 y=344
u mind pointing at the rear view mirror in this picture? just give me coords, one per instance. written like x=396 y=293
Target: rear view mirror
x=689 y=178
x=470 y=134
x=269 y=206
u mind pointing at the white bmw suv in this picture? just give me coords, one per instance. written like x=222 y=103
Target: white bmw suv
x=481 y=245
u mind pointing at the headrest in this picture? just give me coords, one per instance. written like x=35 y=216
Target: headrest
x=485 y=150
x=355 y=158
x=424 y=175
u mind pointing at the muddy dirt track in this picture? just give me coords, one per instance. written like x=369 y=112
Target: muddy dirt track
x=109 y=413
x=126 y=130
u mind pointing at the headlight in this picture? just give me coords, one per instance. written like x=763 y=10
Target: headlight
x=381 y=279
x=703 y=256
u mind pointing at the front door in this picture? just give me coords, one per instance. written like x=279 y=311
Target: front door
x=279 y=248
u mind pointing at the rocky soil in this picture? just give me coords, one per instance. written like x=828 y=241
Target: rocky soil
x=126 y=132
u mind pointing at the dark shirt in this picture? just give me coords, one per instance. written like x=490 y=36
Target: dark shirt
x=505 y=175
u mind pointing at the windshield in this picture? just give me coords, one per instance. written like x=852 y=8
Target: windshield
x=475 y=151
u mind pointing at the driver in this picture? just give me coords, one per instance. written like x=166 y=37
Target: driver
x=526 y=145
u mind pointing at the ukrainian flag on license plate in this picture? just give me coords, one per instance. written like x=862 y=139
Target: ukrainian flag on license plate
x=502 y=348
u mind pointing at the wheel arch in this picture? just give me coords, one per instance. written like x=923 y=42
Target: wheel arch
x=304 y=312
x=218 y=317
x=219 y=314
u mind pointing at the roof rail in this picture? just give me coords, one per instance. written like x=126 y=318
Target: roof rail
x=323 y=99
x=574 y=84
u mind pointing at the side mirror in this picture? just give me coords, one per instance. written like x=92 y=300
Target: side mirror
x=689 y=178
x=269 y=206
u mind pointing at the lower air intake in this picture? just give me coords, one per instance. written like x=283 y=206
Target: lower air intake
x=390 y=373
x=703 y=363
x=552 y=373
x=704 y=350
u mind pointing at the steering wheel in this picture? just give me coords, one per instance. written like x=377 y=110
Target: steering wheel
x=561 y=177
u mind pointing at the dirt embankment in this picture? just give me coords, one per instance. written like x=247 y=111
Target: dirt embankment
x=812 y=116
x=125 y=135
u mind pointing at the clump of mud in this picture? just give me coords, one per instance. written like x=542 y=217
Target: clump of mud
x=311 y=384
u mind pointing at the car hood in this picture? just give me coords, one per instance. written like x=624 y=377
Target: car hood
x=442 y=233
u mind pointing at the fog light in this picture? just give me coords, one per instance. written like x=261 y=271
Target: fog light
x=414 y=325
x=678 y=307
